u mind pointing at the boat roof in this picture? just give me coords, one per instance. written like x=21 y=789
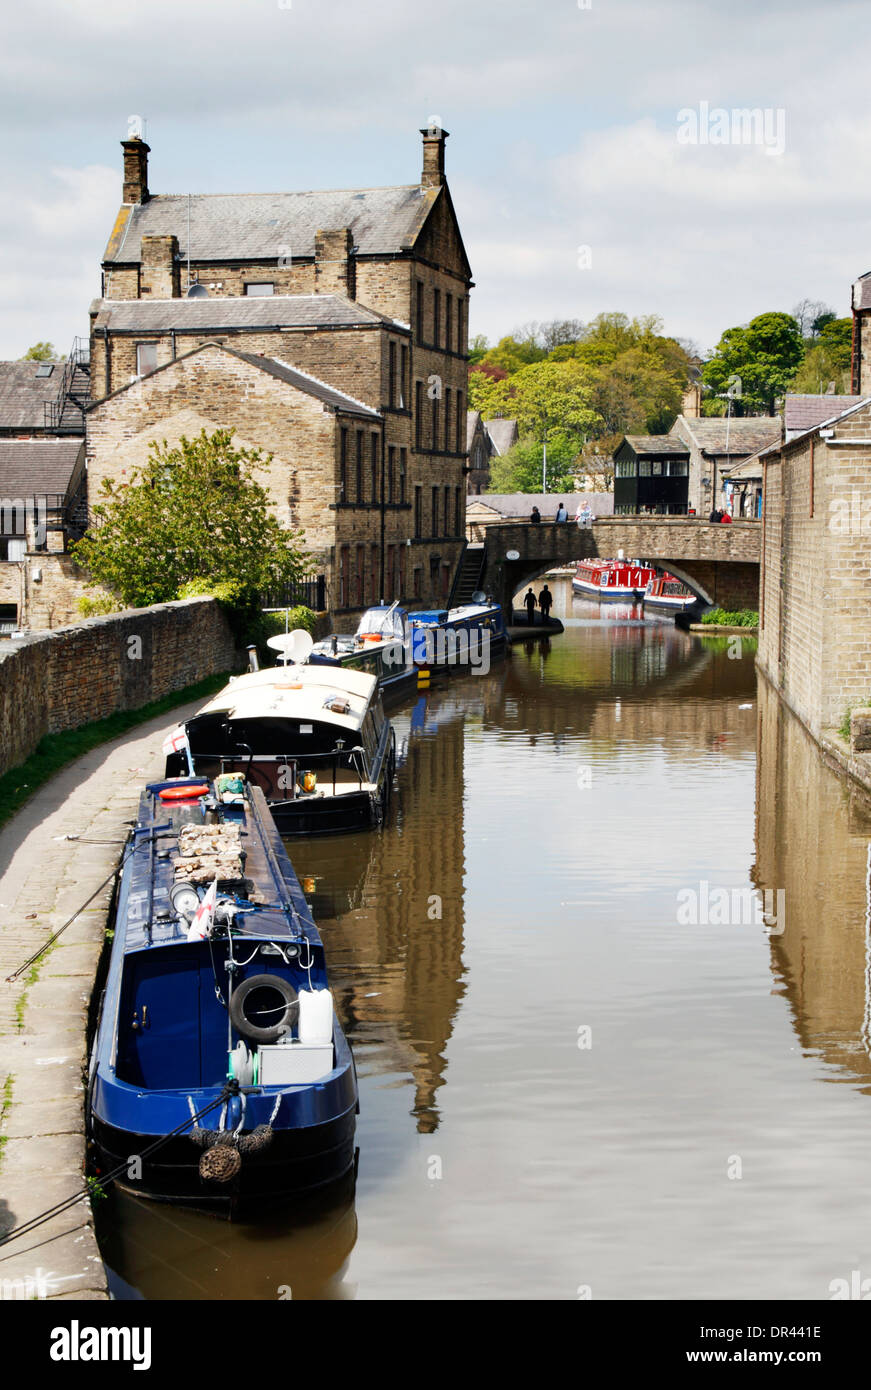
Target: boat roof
x=154 y=865
x=296 y=692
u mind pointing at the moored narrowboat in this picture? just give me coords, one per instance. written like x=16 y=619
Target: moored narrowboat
x=467 y=638
x=381 y=646
x=313 y=738
x=219 y=1072
x=611 y=581
x=666 y=592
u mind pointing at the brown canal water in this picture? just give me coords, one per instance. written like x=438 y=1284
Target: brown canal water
x=587 y=1061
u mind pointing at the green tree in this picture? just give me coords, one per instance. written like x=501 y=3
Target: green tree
x=477 y=348
x=756 y=363
x=551 y=400
x=513 y=353
x=41 y=352
x=519 y=469
x=828 y=361
x=193 y=512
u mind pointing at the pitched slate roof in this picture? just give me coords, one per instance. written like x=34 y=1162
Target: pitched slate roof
x=34 y=467
x=23 y=393
x=801 y=413
x=233 y=312
x=745 y=435
x=264 y=226
x=503 y=433
x=862 y=291
x=656 y=444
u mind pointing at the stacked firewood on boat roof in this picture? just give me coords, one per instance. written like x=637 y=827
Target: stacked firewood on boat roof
x=207 y=852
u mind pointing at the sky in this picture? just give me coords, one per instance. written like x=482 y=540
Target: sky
x=593 y=157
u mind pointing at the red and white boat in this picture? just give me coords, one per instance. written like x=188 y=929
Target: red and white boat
x=612 y=581
x=664 y=591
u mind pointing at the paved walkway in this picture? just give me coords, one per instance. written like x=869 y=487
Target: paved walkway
x=44 y=878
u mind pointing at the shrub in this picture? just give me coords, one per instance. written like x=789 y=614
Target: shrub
x=719 y=617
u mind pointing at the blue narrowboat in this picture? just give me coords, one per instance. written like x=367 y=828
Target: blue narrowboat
x=469 y=637
x=219 y=1072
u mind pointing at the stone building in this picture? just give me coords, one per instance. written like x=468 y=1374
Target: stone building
x=42 y=507
x=363 y=295
x=815 y=605
x=716 y=445
x=485 y=440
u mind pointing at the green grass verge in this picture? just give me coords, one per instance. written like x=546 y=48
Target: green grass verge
x=5 y=1106
x=56 y=751
x=744 y=617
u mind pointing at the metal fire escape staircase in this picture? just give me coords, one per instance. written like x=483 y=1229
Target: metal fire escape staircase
x=66 y=413
x=470 y=574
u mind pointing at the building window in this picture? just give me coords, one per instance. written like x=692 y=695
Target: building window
x=460 y=441
x=146 y=358
x=644 y=468
x=418 y=415
x=344 y=576
x=391 y=468
x=259 y=289
x=625 y=468
x=434 y=422
x=461 y=345
x=449 y=323
x=657 y=468
x=375 y=575
x=359 y=577
x=391 y=388
x=458 y=511
x=403 y=459
x=420 y=311
x=403 y=378
x=343 y=466
x=359 y=497
x=373 y=465
x=447 y=418
x=678 y=468
x=45 y=369
x=436 y=316
x=418 y=511
x=435 y=512
x=418 y=581
x=8 y=619
x=12 y=549
x=390 y=581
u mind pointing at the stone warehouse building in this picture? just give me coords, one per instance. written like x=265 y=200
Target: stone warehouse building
x=328 y=328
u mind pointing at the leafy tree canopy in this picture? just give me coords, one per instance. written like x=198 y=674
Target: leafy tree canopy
x=756 y=364
x=193 y=512
x=41 y=352
x=520 y=468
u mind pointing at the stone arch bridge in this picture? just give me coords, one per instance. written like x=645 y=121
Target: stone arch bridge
x=720 y=564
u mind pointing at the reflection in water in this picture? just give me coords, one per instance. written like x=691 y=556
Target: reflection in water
x=299 y=1250
x=814 y=842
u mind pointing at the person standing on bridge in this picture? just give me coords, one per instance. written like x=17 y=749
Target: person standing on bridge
x=584 y=514
x=535 y=516
x=561 y=513
x=545 y=602
x=726 y=516
x=529 y=603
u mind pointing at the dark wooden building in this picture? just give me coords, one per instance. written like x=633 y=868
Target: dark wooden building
x=651 y=474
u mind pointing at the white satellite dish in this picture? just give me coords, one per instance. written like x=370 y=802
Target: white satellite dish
x=294 y=647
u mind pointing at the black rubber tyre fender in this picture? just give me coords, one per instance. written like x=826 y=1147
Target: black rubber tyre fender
x=284 y=1019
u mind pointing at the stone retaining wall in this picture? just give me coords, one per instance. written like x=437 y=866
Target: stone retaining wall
x=73 y=675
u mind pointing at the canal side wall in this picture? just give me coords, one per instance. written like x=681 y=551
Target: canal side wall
x=815 y=601
x=70 y=676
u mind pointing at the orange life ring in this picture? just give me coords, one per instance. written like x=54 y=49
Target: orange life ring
x=189 y=793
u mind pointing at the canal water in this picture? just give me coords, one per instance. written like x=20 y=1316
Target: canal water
x=606 y=976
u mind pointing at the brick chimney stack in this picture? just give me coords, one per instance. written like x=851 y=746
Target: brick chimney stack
x=434 y=138
x=334 y=262
x=136 y=154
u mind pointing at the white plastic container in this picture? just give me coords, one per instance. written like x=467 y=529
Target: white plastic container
x=315 y=1016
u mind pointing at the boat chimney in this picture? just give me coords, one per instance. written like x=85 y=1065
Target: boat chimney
x=253 y=662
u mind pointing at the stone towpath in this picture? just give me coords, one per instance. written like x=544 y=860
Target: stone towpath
x=44 y=877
